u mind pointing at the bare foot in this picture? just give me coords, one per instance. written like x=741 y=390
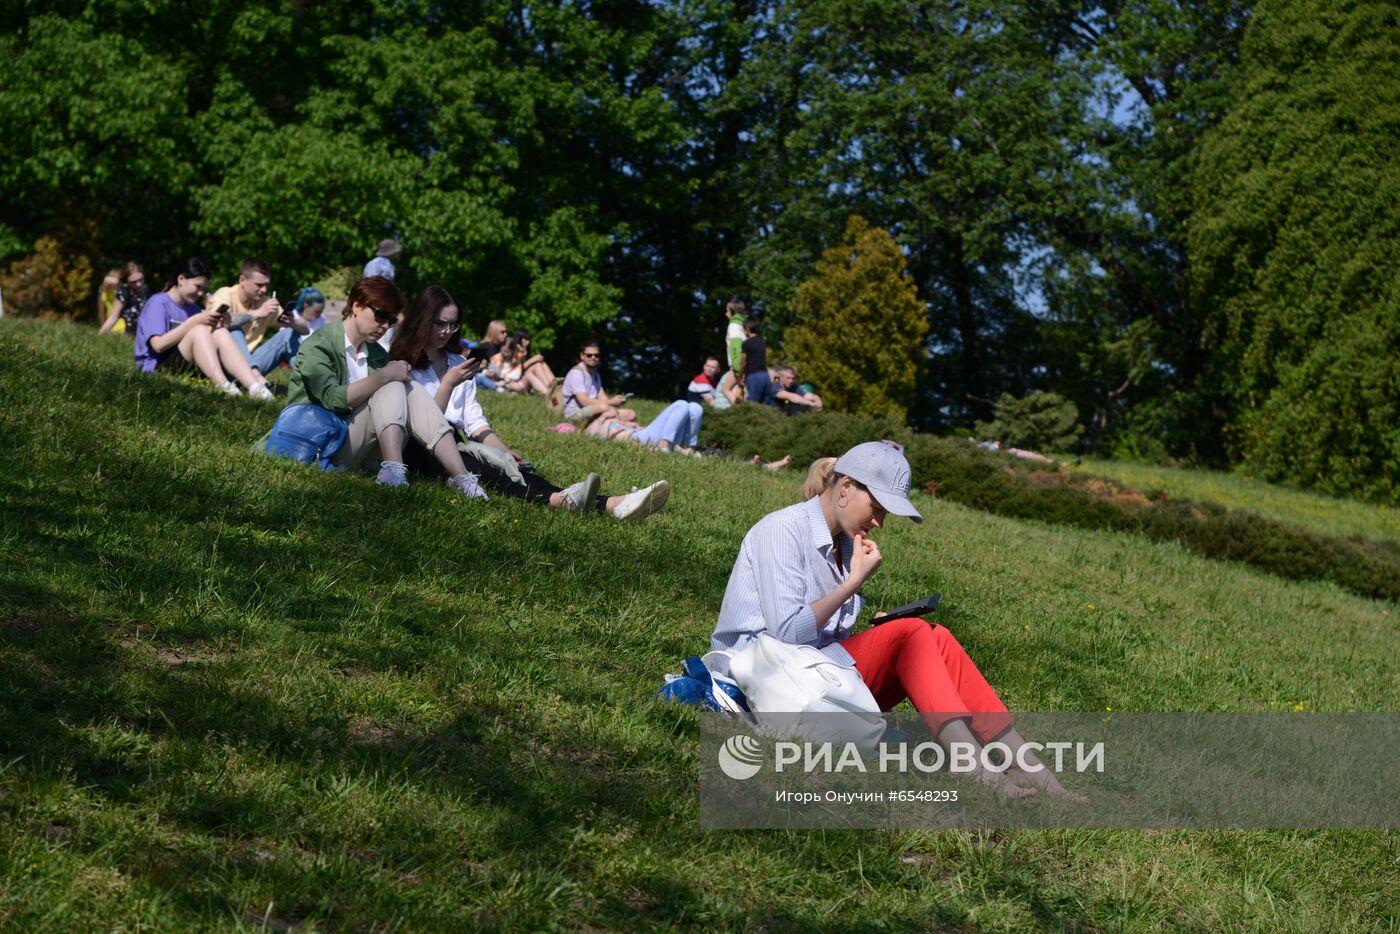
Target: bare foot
x=1003 y=784
x=1045 y=782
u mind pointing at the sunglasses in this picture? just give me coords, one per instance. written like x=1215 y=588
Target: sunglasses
x=384 y=317
x=591 y=356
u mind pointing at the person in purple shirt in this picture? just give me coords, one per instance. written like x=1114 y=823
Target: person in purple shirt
x=173 y=334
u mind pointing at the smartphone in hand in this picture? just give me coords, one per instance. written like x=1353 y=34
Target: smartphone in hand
x=917 y=608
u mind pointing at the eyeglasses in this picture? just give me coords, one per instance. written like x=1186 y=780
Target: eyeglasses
x=445 y=325
x=591 y=356
x=384 y=317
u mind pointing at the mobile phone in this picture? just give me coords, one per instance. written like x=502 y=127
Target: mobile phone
x=222 y=311
x=917 y=608
x=627 y=395
x=478 y=353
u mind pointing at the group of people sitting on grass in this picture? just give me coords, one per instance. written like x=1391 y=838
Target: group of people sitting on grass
x=238 y=334
x=799 y=570
x=233 y=337
x=417 y=389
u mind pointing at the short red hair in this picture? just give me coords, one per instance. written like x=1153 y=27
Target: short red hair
x=376 y=292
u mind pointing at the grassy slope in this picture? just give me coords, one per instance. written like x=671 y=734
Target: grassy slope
x=1310 y=510
x=233 y=690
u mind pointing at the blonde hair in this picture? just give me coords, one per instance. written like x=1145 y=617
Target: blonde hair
x=820 y=476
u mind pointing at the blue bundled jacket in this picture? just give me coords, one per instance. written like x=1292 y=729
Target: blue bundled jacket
x=308 y=434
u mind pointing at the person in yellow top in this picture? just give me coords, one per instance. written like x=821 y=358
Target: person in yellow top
x=267 y=334
x=128 y=298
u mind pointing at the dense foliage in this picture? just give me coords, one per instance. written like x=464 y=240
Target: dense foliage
x=1073 y=215
x=1294 y=245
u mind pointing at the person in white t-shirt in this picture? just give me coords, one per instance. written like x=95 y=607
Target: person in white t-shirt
x=426 y=337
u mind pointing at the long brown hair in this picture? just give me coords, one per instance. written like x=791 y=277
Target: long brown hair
x=416 y=329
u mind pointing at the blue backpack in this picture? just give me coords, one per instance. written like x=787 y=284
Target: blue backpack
x=308 y=434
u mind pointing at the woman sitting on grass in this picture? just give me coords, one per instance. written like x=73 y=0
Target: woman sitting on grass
x=519 y=370
x=430 y=328
x=782 y=584
x=174 y=335
x=342 y=367
x=128 y=300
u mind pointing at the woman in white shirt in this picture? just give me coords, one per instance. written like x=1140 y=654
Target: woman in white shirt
x=798 y=577
x=431 y=326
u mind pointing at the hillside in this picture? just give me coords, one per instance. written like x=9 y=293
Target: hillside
x=237 y=692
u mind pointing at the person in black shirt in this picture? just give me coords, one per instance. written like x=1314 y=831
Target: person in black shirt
x=792 y=398
x=131 y=298
x=753 y=360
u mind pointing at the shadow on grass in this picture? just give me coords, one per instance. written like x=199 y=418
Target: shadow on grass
x=120 y=658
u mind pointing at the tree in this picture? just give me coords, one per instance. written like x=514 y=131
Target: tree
x=50 y=283
x=947 y=125
x=860 y=325
x=1041 y=422
x=1293 y=246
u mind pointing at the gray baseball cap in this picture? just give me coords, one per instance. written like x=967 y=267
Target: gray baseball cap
x=880 y=466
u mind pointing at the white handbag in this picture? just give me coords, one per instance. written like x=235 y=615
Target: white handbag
x=796 y=691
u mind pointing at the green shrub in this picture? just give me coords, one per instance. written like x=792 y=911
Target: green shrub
x=959 y=471
x=746 y=430
x=1041 y=421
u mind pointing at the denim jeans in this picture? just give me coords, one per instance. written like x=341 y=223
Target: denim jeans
x=759 y=387
x=679 y=423
x=485 y=382
x=280 y=346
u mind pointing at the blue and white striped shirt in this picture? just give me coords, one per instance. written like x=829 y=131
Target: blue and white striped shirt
x=786 y=563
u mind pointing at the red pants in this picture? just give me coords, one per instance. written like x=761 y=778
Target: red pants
x=909 y=658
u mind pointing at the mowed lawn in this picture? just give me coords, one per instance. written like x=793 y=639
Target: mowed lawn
x=236 y=693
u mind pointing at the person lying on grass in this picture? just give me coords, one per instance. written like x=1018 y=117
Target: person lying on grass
x=173 y=335
x=342 y=367
x=432 y=326
x=676 y=428
x=782 y=584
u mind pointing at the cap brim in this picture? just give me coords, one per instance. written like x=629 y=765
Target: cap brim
x=895 y=504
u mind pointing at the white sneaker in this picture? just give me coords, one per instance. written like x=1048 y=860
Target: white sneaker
x=467 y=485
x=231 y=388
x=262 y=392
x=580 y=496
x=392 y=473
x=641 y=503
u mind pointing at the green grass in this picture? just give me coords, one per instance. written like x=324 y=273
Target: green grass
x=237 y=693
x=1314 y=511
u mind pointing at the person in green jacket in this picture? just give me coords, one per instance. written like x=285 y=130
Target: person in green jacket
x=342 y=367
x=735 y=311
